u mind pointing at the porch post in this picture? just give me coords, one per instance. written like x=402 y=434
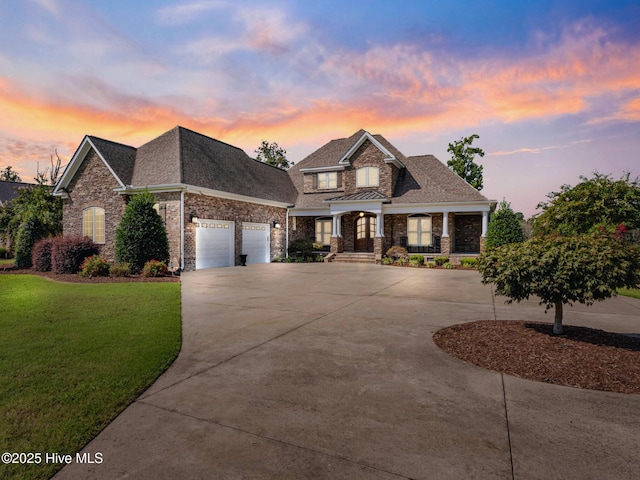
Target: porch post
x=485 y=223
x=334 y=226
x=445 y=241
x=379 y=225
x=338 y=220
x=445 y=224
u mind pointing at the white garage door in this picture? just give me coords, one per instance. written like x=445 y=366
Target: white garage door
x=214 y=244
x=256 y=242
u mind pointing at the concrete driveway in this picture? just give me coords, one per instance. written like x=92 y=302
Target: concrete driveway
x=329 y=371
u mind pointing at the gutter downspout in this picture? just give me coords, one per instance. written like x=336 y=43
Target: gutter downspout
x=286 y=236
x=182 y=230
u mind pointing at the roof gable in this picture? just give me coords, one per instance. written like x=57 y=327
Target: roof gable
x=118 y=158
x=389 y=157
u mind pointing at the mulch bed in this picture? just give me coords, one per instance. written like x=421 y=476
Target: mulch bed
x=76 y=278
x=580 y=357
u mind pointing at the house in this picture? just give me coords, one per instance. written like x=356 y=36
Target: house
x=356 y=194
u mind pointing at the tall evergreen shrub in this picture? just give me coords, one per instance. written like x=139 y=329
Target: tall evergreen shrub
x=29 y=233
x=141 y=235
x=504 y=227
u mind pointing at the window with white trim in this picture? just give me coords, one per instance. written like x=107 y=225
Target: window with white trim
x=327 y=180
x=419 y=230
x=368 y=177
x=324 y=228
x=93 y=224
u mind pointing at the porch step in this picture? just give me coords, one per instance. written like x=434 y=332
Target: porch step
x=354 y=257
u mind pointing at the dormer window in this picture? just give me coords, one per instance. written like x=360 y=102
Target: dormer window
x=368 y=177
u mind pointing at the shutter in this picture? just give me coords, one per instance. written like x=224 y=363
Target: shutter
x=314 y=184
x=339 y=180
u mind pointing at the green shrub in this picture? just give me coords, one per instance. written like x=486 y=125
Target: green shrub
x=387 y=261
x=154 y=268
x=401 y=261
x=301 y=248
x=68 y=253
x=431 y=264
x=397 y=252
x=470 y=262
x=94 y=266
x=319 y=258
x=120 y=270
x=276 y=259
x=41 y=256
x=416 y=260
x=141 y=235
x=449 y=265
x=441 y=260
x=4 y=253
x=504 y=227
x=29 y=233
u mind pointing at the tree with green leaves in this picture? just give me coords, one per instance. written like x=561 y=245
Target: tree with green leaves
x=504 y=227
x=273 y=154
x=462 y=160
x=9 y=175
x=31 y=201
x=562 y=270
x=141 y=235
x=595 y=202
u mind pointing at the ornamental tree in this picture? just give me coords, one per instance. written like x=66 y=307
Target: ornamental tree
x=141 y=235
x=504 y=227
x=273 y=154
x=594 y=202
x=462 y=156
x=562 y=270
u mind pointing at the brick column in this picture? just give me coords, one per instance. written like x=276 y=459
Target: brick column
x=378 y=248
x=483 y=244
x=337 y=245
x=445 y=246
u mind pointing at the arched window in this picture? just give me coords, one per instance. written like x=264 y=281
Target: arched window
x=93 y=224
x=368 y=177
x=323 y=230
x=419 y=230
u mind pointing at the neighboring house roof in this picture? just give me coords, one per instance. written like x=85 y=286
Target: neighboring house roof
x=184 y=157
x=424 y=179
x=9 y=190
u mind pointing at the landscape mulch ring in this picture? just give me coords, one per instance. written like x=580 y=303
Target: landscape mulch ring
x=580 y=357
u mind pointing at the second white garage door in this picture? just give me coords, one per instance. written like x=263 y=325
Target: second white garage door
x=256 y=242
x=214 y=244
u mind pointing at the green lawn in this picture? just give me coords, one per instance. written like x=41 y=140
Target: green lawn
x=630 y=292
x=6 y=261
x=73 y=356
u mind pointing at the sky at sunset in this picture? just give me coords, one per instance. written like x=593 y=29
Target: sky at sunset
x=551 y=87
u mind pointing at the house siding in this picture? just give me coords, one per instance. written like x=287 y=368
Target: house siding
x=169 y=210
x=235 y=211
x=368 y=155
x=92 y=186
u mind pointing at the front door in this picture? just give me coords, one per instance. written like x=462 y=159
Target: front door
x=365 y=231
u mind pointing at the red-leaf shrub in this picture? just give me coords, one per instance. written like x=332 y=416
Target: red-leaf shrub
x=68 y=253
x=41 y=256
x=154 y=268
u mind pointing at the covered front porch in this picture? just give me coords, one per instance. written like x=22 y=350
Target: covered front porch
x=374 y=227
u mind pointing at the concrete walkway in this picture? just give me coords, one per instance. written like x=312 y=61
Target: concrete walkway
x=327 y=371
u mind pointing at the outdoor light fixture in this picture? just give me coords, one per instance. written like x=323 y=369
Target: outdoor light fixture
x=276 y=224
x=362 y=214
x=193 y=217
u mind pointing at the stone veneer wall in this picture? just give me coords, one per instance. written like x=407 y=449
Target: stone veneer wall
x=305 y=228
x=232 y=210
x=169 y=210
x=368 y=155
x=94 y=190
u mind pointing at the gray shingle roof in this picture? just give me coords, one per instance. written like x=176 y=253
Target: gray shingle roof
x=9 y=190
x=424 y=180
x=120 y=157
x=184 y=156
